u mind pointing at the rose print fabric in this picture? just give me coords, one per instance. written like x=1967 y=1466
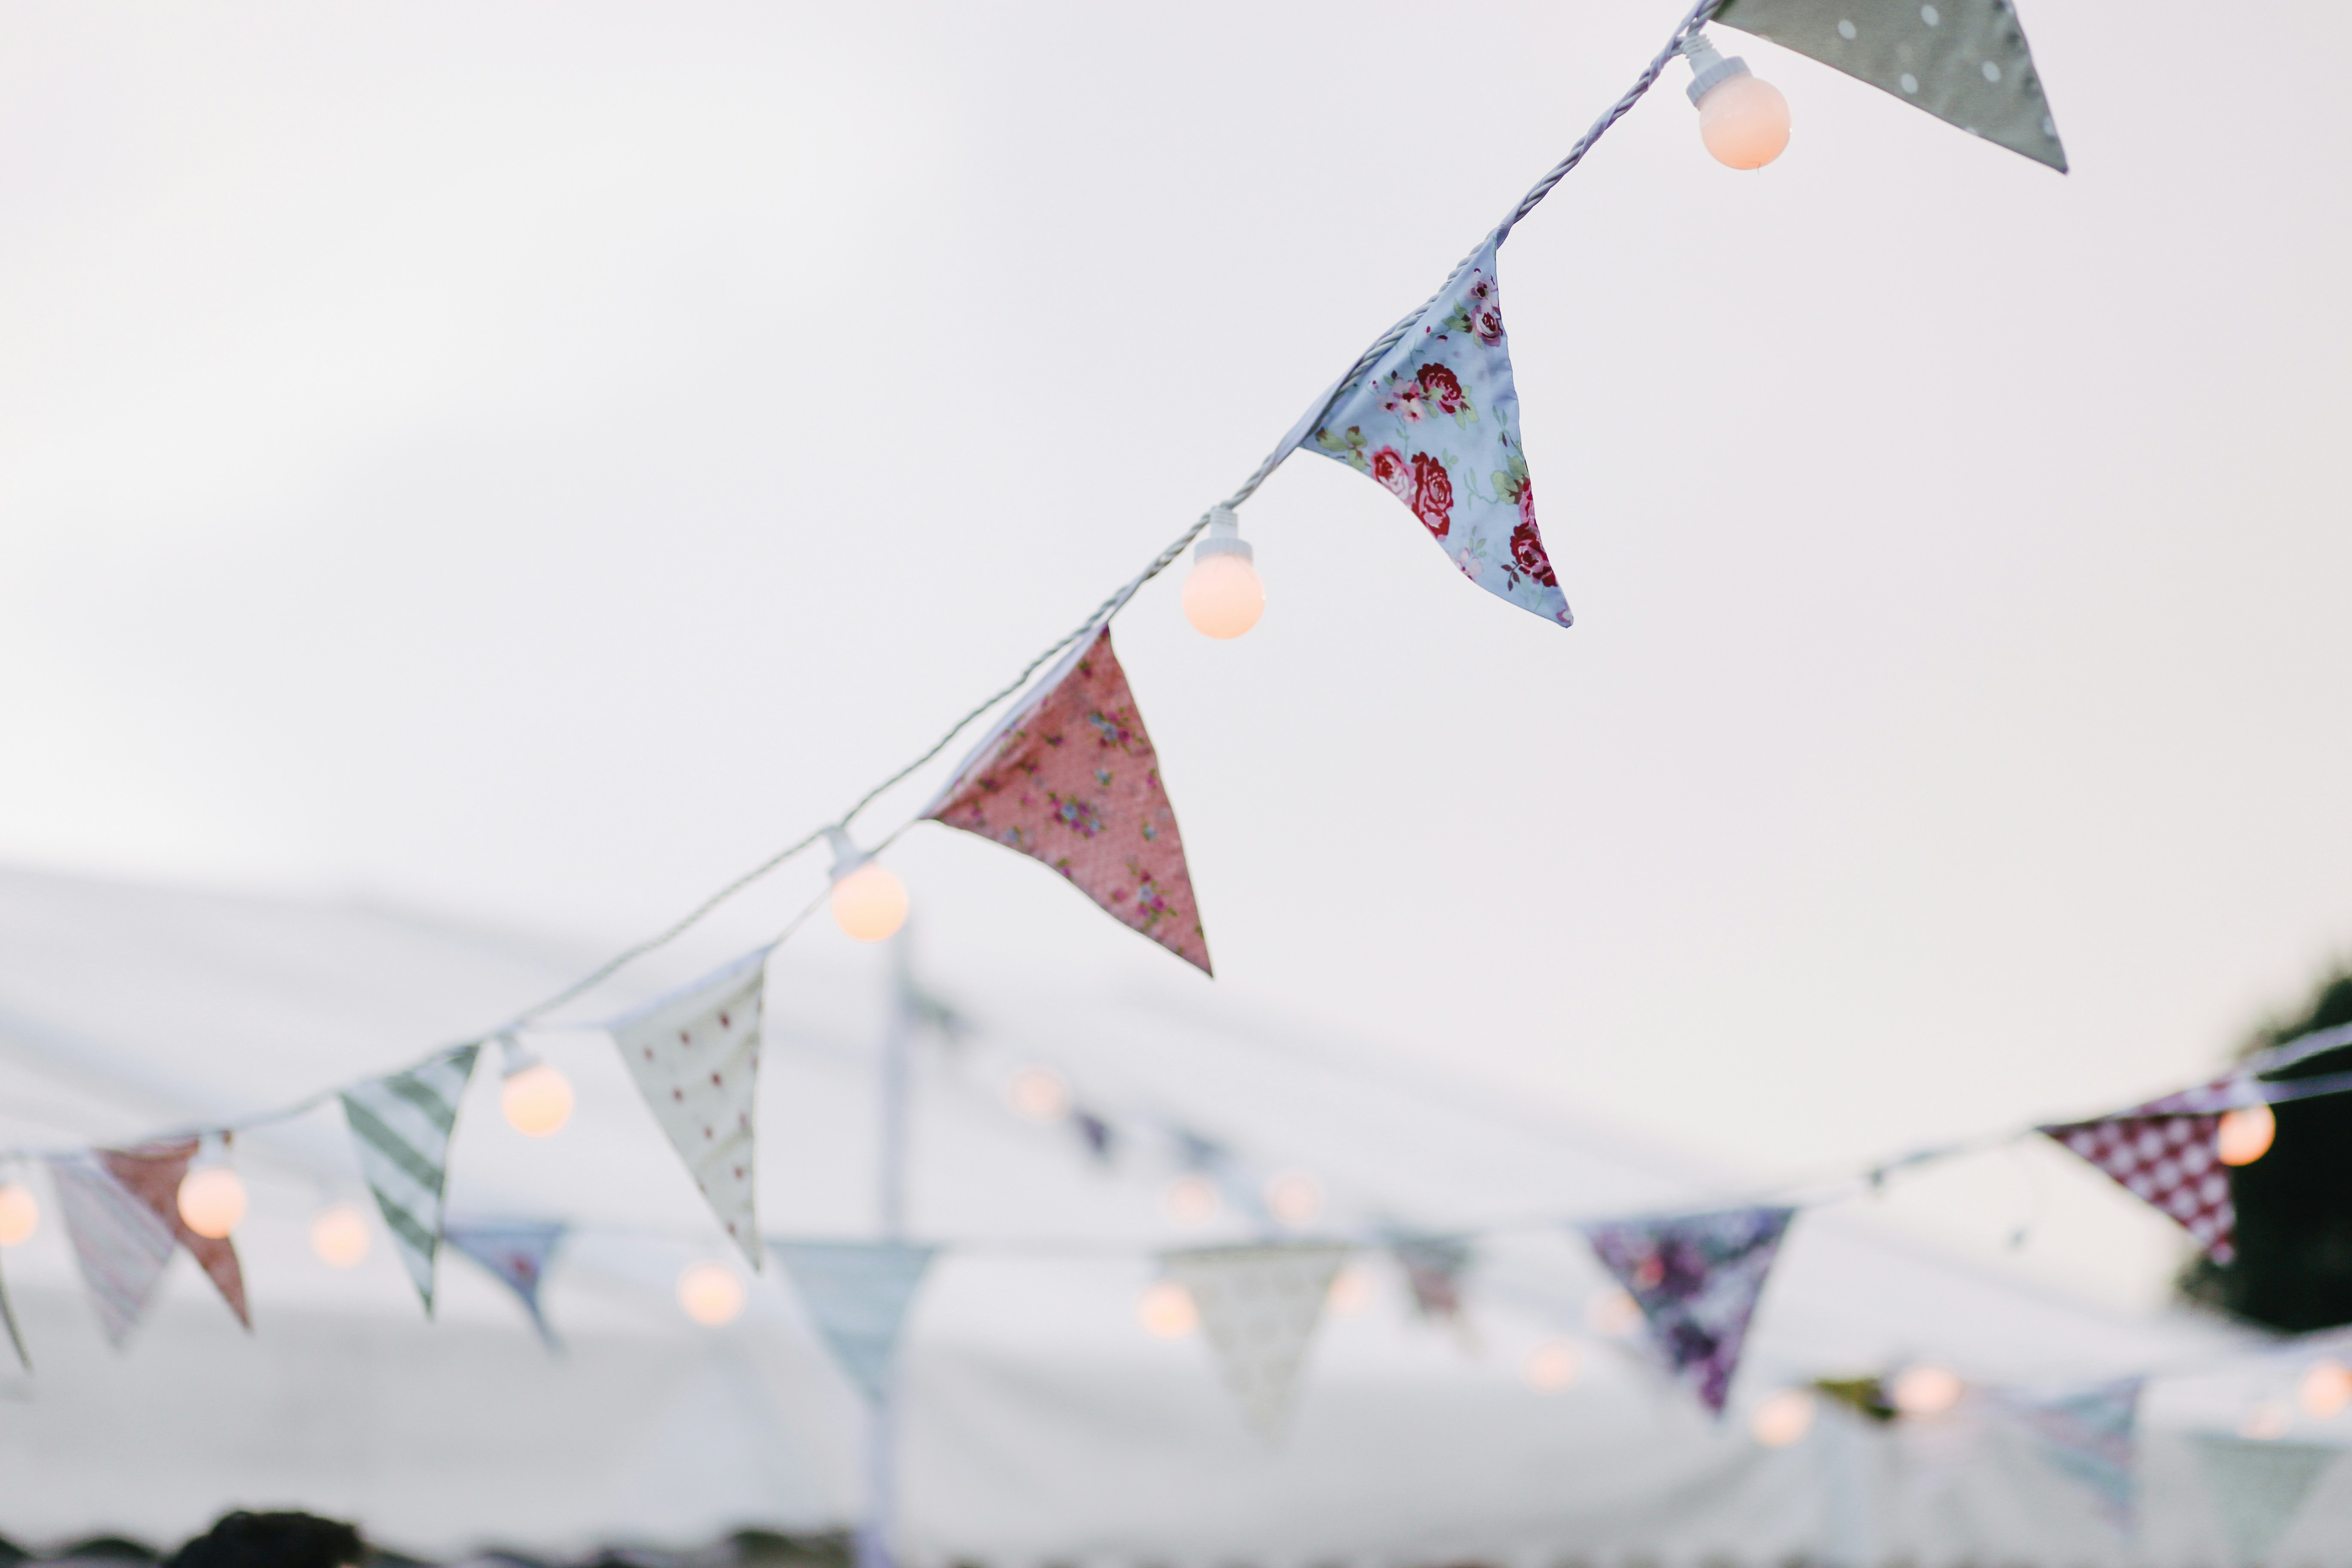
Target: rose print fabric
x=153 y=1175
x=696 y=1056
x=1696 y=1277
x=1071 y=779
x=1435 y=424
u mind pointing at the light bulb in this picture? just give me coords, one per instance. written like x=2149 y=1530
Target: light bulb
x=1552 y=1366
x=870 y=902
x=20 y=1216
x=2267 y=1421
x=1612 y=1314
x=2326 y=1389
x=1166 y=1310
x=1222 y=597
x=1039 y=1094
x=340 y=1237
x=1927 y=1390
x=1784 y=1419
x=537 y=1100
x=2244 y=1135
x=1295 y=1198
x=711 y=1293
x=212 y=1201
x=1190 y=1201
x=1742 y=119
x=1351 y=1291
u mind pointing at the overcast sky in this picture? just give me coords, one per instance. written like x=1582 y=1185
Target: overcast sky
x=529 y=460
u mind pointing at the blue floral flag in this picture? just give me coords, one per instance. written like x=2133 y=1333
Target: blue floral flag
x=857 y=1292
x=516 y=1252
x=1696 y=1279
x=1435 y=421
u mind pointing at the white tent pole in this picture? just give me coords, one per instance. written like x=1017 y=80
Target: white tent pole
x=882 y=1431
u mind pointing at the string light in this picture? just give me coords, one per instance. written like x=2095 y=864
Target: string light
x=711 y=1293
x=212 y=1196
x=1222 y=595
x=1926 y=1390
x=20 y=1216
x=869 y=902
x=1190 y=1201
x=1784 y=1419
x=2326 y=1389
x=1351 y=1291
x=340 y=1237
x=1166 y=1311
x=536 y=1099
x=2266 y=1422
x=1038 y=1094
x=1294 y=1198
x=1742 y=117
x=1614 y=1314
x=2245 y=1134
x=1552 y=1366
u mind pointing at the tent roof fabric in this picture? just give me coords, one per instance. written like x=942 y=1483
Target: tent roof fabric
x=1041 y=1423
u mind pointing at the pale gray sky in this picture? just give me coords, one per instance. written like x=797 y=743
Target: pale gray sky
x=531 y=459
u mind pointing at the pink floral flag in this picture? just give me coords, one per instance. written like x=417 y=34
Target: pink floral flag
x=152 y=1174
x=1070 y=779
x=1434 y=421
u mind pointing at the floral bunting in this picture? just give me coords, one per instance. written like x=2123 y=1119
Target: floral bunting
x=120 y=1246
x=1433 y=1265
x=2091 y=1434
x=1696 y=1279
x=516 y=1253
x=1434 y=422
x=153 y=1175
x=1070 y=778
x=1259 y=1308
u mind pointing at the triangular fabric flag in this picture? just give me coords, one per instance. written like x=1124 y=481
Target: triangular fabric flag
x=1434 y=421
x=858 y=1293
x=2091 y=1434
x=1696 y=1279
x=2258 y=1488
x=1259 y=1308
x=695 y=1054
x=1070 y=778
x=516 y=1252
x=1963 y=61
x=1099 y=1136
x=1866 y=1397
x=120 y=1245
x=16 y=1336
x=1433 y=1267
x=2163 y=1153
x=402 y=1125
x=152 y=1174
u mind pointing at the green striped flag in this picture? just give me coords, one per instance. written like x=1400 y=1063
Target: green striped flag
x=401 y=1125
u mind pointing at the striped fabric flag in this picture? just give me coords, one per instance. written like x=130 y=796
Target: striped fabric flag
x=121 y=1245
x=516 y=1252
x=696 y=1056
x=402 y=1125
x=152 y=1174
x=15 y=1336
x=857 y=1292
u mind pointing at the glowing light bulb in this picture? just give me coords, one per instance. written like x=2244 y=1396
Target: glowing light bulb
x=711 y=1293
x=1038 y=1094
x=1612 y=1314
x=1190 y=1201
x=1926 y=1390
x=20 y=1216
x=2326 y=1389
x=1784 y=1419
x=869 y=902
x=537 y=1100
x=2266 y=1422
x=340 y=1237
x=1742 y=119
x=1223 y=596
x=2245 y=1134
x=1351 y=1291
x=1552 y=1366
x=1166 y=1310
x=1294 y=1198
x=212 y=1201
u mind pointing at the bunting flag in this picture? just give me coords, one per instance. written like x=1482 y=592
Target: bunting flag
x=696 y=1056
x=1099 y=1135
x=15 y=1336
x=120 y=1246
x=2090 y=1434
x=1259 y=1308
x=152 y=1174
x=1433 y=1267
x=401 y=1124
x=1070 y=778
x=2258 y=1488
x=1963 y=61
x=516 y=1253
x=1696 y=1279
x=1434 y=421
x=2163 y=1153
x=858 y=1293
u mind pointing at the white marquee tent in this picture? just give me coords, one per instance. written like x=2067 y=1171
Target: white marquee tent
x=1042 y=1424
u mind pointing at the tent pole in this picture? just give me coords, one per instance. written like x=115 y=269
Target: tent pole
x=882 y=1429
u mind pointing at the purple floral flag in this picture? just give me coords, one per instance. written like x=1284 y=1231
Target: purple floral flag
x=1070 y=778
x=1696 y=1277
x=1435 y=422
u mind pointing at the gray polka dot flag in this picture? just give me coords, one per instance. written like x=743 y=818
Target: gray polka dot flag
x=402 y=1125
x=696 y=1056
x=1963 y=61
x=1259 y=1308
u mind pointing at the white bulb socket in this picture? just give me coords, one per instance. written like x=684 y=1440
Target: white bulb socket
x=1223 y=596
x=1742 y=119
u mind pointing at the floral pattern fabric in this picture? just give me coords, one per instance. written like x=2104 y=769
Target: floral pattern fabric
x=1435 y=424
x=1696 y=1279
x=1071 y=779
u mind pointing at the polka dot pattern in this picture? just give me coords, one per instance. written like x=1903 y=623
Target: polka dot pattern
x=2163 y=1155
x=696 y=1056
